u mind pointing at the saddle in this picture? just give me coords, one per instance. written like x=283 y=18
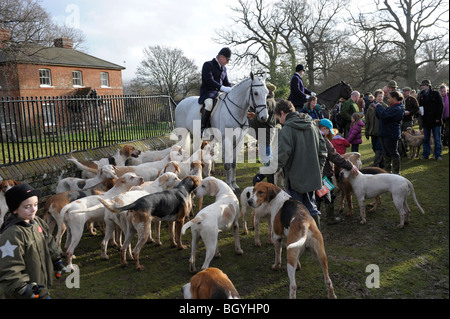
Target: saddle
x=213 y=111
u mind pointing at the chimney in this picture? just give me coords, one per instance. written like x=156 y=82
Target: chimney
x=65 y=43
x=4 y=38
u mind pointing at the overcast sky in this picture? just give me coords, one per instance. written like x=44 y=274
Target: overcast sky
x=117 y=31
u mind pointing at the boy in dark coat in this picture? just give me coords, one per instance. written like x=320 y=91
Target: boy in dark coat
x=30 y=256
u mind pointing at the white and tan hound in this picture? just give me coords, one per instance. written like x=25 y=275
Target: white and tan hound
x=221 y=215
x=211 y=283
x=370 y=186
x=291 y=218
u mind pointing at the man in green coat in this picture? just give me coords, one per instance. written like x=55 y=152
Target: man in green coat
x=348 y=108
x=302 y=153
x=29 y=255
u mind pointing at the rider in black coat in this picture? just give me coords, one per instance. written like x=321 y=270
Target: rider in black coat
x=298 y=90
x=214 y=80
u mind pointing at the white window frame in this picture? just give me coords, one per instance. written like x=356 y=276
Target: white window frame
x=104 y=79
x=45 y=75
x=49 y=110
x=77 y=78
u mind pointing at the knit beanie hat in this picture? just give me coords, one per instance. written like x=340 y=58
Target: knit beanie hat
x=16 y=195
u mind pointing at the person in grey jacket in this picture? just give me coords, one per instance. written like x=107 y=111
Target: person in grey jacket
x=302 y=153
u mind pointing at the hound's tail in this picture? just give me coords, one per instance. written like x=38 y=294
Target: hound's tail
x=87 y=210
x=62 y=214
x=113 y=208
x=302 y=240
x=81 y=166
x=411 y=188
x=196 y=220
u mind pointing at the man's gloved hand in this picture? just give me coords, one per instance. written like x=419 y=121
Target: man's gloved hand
x=225 y=89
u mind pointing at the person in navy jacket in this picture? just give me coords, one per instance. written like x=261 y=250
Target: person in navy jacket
x=214 y=80
x=389 y=131
x=298 y=91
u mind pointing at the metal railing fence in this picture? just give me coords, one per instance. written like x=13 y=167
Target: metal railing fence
x=34 y=128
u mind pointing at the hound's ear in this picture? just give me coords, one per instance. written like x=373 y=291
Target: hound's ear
x=163 y=179
x=213 y=187
x=195 y=181
x=128 y=150
x=355 y=174
x=272 y=192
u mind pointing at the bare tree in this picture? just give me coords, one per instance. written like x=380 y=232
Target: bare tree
x=168 y=70
x=276 y=36
x=76 y=35
x=255 y=36
x=26 y=20
x=30 y=30
x=314 y=26
x=30 y=24
x=411 y=26
x=370 y=61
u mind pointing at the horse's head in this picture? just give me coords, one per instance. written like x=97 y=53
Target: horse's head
x=346 y=90
x=331 y=96
x=258 y=96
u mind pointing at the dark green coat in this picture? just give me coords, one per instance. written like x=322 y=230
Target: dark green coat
x=27 y=254
x=347 y=110
x=302 y=153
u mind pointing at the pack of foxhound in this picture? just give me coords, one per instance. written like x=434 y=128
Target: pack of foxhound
x=126 y=193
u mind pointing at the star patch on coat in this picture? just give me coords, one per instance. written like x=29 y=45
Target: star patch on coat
x=8 y=249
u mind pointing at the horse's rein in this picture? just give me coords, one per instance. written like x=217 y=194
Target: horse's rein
x=255 y=106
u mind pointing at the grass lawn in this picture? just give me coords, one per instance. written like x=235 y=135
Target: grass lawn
x=413 y=262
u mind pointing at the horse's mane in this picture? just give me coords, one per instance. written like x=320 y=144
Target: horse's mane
x=240 y=83
x=330 y=88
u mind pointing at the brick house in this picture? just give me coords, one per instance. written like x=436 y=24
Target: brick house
x=37 y=71
x=55 y=71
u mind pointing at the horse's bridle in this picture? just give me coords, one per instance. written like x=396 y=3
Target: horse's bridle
x=255 y=106
x=262 y=106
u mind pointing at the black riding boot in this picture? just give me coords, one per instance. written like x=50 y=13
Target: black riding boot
x=206 y=115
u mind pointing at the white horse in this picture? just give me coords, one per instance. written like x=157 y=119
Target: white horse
x=229 y=124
